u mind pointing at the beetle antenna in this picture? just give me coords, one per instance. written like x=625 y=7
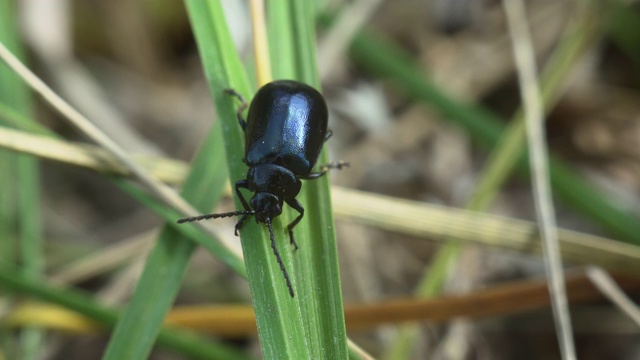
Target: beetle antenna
x=278 y=258
x=216 y=216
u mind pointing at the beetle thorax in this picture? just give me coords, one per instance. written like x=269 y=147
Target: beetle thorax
x=273 y=179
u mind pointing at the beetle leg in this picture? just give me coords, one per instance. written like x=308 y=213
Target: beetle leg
x=242 y=184
x=243 y=105
x=325 y=169
x=239 y=225
x=245 y=205
x=298 y=207
x=328 y=134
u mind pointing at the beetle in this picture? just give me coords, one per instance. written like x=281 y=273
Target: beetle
x=284 y=132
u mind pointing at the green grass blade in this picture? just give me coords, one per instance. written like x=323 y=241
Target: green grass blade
x=288 y=328
x=26 y=187
x=315 y=264
x=158 y=286
x=165 y=267
x=193 y=233
x=323 y=312
x=207 y=190
x=304 y=41
x=8 y=230
x=280 y=35
x=21 y=172
x=277 y=315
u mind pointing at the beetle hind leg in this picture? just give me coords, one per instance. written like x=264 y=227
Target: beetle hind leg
x=243 y=106
x=326 y=168
x=328 y=134
x=335 y=165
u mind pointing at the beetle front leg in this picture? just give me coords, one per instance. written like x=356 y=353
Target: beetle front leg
x=241 y=184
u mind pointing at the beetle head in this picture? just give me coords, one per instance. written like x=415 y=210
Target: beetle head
x=266 y=205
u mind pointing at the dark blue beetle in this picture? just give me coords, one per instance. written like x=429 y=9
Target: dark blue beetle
x=285 y=130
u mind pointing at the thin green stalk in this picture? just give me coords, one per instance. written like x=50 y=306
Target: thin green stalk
x=508 y=153
x=25 y=184
x=509 y=150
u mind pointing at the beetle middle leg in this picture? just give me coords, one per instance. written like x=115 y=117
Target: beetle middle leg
x=325 y=169
x=243 y=106
x=298 y=207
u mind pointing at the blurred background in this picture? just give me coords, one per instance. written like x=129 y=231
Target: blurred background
x=133 y=68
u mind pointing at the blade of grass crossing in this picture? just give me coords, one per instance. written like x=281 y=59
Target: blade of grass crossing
x=137 y=329
x=189 y=345
x=161 y=278
x=217 y=161
x=202 y=238
x=165 y=266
